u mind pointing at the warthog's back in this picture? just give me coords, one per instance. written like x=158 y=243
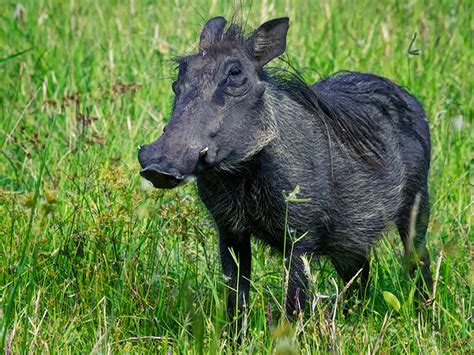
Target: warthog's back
x=398 y=115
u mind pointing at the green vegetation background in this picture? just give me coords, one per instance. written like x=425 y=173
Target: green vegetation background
x=92 y=261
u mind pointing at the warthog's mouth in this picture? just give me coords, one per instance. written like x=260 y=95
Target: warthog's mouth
x=167 y=178
x=161 y=179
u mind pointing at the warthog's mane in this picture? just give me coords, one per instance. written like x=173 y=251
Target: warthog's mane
x=350 y=125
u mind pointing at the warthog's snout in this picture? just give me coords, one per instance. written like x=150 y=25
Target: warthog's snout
x=161 y=172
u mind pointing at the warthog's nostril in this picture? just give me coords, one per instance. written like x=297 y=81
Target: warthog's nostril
x=203 y=152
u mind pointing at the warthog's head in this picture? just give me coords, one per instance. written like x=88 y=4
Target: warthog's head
x=218 y=105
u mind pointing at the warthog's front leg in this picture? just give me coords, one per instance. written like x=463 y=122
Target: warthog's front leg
x=236 y=264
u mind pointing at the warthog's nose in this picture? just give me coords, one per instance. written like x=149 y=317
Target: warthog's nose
x=166 y=165
x=145 y=155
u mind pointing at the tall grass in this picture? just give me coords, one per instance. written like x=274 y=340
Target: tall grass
x=92 y=261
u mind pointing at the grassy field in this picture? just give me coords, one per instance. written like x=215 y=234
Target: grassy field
x=92 y=261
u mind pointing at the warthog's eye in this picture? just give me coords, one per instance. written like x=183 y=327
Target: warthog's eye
x=235 y=82
x=234 y=71
x=235 y=77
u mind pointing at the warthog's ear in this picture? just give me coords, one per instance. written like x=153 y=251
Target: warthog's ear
x=269 y=40
x=212 y=31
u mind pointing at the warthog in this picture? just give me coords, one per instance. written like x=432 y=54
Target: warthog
x=357 y=145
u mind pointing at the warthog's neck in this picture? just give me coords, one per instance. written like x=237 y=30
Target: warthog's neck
x=289 y=123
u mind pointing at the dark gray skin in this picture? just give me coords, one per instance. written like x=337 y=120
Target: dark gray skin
x=356 y=144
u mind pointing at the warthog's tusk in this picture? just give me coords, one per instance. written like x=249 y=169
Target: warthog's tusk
x=139 y=147
x=203 y=151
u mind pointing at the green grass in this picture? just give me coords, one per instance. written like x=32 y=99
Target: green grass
x=91 y=261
